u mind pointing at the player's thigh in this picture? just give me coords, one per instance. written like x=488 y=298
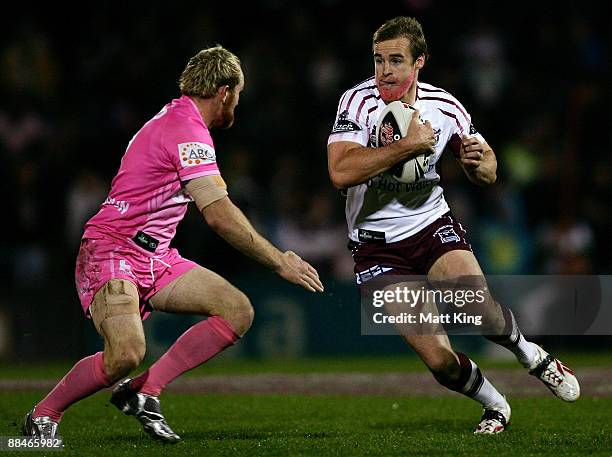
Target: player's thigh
x=115 y=312
x=453 y=264
x=200 y=291
x=410 y=298
x=459 y=272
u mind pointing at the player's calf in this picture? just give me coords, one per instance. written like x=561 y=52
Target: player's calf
x=86 y=377
x=473 y=384
x=444 y=366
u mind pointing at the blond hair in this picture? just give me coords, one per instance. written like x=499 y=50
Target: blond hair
x=208 y=70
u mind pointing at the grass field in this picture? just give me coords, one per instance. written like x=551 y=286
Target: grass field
x=321 y=425
x=360 y=364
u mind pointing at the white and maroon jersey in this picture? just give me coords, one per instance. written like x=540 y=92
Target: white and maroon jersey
x=384 y=209
x=147 y=194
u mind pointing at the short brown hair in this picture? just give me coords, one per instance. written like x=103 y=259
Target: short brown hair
x=407 y=27
x=208 y=70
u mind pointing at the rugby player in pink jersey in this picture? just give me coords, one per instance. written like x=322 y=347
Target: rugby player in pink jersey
x=125 y=267
x=408 y=229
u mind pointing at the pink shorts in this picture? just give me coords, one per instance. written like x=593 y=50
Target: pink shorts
x=101 y=260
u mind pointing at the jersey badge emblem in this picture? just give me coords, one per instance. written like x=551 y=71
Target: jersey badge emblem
x=193 y=154
x=344 y=124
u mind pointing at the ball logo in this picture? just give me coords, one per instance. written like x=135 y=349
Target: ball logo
x=392 y=126
x=388 y=131
x=387 y=135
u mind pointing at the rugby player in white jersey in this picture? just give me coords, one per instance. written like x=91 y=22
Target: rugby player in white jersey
x=408 y=229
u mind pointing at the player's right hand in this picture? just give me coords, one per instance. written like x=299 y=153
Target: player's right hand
x=420 y=137
x=298 y=271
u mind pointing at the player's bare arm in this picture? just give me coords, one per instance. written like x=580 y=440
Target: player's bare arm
x=350 y=163
x=229 y=222
x=478 y=161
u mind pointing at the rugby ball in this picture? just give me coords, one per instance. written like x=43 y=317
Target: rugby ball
x=392 y=126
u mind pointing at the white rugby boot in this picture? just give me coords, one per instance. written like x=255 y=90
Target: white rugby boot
x=494 y=420
x=559 y=379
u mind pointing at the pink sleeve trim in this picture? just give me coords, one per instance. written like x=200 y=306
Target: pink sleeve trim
x=198 y=173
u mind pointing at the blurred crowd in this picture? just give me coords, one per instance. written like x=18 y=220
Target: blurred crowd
x=75 y=89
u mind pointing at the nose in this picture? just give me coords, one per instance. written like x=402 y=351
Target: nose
x=386 y=68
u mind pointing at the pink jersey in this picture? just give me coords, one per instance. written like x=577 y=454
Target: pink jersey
x=147 y=194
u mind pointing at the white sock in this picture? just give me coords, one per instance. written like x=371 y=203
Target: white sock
x=525 y=351
x=480 y=389
x=489 y=396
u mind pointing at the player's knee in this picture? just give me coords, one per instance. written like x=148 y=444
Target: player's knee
x=120 y=363
x=235 y=308
x=242 y=314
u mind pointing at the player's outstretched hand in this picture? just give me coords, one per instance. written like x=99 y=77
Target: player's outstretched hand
x=298 y=271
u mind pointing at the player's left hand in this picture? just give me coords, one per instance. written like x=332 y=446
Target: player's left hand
x=471 y=152
x=298 y=271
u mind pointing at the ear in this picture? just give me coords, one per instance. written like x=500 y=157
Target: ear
x=223 y=92
x=420 y=62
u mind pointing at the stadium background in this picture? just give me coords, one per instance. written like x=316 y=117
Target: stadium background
x=75 y=89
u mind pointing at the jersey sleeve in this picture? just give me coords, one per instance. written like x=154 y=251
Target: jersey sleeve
x=350 y=123
x=191 y=151
x=462 y=125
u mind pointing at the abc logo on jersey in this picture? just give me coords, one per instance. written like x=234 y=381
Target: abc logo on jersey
x=195 y=153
